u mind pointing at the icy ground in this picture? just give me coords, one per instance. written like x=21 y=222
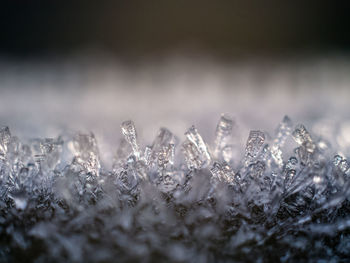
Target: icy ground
x=260 y=187
x=172 y=201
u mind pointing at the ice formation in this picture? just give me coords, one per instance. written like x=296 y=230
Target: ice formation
x=172 y=202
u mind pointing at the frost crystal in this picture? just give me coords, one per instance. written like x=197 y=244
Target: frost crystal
x=192 y=155
x=254 y=144
x=5 y=137
x=129 y=132
x=60 y=203
x=222 y=136
x=86 y=153
x=283 y=132
x=303 y=138
x=222 y=172
x=162 y=151
x=195 y=150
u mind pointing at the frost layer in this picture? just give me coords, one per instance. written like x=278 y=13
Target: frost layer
x=175 y=201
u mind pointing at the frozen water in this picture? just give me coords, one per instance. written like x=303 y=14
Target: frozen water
x=4 y=141
x=60 y=203
x=195 y=150
x=129 y=132
x=196 y=139
x=222 y=136
x=86 y=156
x=254 y=145
x=282 y=132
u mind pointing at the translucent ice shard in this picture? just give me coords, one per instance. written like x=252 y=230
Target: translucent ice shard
x=290 y=171
x=303 y=138
x=123 y=150
x=129 y=132
x=166 y=156
x=136 y=169
x=194 y=137
x=5 y=137
x=276 y=154
x=162 y=151
x=163 y=138
x=222 y=135
x=192 y=155
x=307 y=146
x=254 y=144
x=86 y=153
x=18 y=154
x=147 y=155
x=283 y=131
x=222 y=172
x=47 y=152
x=195 y=150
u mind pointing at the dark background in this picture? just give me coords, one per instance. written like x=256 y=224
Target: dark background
x=142 y=28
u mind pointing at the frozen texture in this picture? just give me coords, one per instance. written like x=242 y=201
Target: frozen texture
x=172 y=202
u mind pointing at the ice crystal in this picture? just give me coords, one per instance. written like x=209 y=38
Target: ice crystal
x=86 y=157
x=196 y=139
x=254 y=145
x=283 y=131
x=4 y=141
x=129 y=132
x=222 y=137
x=60 y=203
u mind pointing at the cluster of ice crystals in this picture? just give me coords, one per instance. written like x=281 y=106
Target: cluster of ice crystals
x=59 y=203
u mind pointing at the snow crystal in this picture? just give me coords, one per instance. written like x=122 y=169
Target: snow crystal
x=59 y=203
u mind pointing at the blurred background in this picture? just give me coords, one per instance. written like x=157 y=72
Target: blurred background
x=87 y=66
x=153 y=28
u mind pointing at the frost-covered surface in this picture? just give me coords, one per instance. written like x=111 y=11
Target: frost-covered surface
x=284 y=197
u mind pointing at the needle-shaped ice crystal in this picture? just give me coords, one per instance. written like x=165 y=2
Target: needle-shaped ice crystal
x=5 y=137
x=254 y=143
x=129 y=132
x=147 y=155
x=192 y=155
x=166 y=156
x=163 y=148
x=194 y=137
x=283 y=131
x=290 y=171
x=222 y=134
